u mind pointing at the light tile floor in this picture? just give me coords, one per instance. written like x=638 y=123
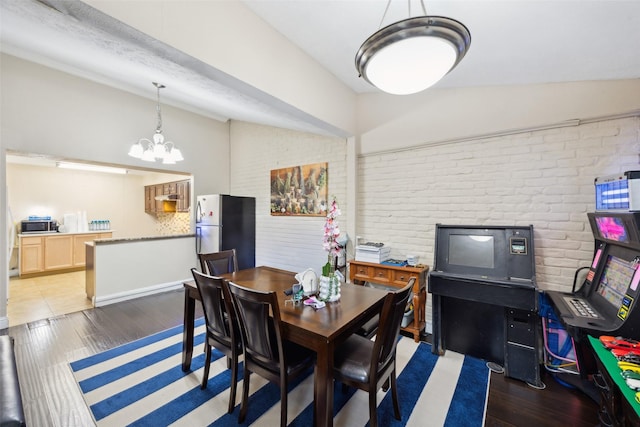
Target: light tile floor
x=39 y=298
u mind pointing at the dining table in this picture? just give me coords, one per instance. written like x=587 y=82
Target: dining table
x=320 y=330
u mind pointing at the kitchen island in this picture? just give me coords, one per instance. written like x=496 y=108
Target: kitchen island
x=50 y=253
x=119 y=269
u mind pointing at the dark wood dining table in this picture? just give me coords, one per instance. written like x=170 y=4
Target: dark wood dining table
x=319 y=330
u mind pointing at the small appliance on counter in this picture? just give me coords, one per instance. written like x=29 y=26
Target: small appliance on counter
x=39 y=224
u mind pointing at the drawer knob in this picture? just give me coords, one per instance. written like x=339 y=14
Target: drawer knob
x=401 y=277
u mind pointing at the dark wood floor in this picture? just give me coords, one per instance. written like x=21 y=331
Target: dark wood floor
x=51 y=396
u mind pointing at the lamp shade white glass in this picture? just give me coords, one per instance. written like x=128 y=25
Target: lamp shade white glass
x=158 y=149
x=411 y=55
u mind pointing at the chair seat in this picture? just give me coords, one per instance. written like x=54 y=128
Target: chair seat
x=298 y=357
x=352 y=359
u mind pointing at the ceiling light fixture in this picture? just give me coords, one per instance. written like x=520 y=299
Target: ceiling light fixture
x=413 y=54
x=158 y=149
x=90 y=168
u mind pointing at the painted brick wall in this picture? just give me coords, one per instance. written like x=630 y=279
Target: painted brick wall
x=292 y=243
x=544 y=178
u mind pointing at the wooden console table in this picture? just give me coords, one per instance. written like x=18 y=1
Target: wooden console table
x=390 y=275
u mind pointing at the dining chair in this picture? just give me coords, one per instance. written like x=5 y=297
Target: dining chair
x=221 y=322
x=367 y=365
x=217 y=263
x=265 y=352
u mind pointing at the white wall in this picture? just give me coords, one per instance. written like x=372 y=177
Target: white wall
x=544 y=178
x=290 y=242
x=52 y=113
x=439 y=115
x=47 y=112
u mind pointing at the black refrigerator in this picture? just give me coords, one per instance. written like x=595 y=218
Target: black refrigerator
x=227 y=222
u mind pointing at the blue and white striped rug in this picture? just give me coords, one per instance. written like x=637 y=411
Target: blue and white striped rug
x=142 y=384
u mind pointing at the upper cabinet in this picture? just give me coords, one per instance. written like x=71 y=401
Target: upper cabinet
x=177 y=200
x=183 y=189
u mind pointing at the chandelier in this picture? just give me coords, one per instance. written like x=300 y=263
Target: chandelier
x=413 y=54
x=156 y=149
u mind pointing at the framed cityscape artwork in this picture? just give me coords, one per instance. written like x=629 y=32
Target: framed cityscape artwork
x=300 y=190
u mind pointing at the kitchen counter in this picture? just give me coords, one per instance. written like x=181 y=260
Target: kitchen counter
x=125 y=268
x=140 y=239
x=57 y=233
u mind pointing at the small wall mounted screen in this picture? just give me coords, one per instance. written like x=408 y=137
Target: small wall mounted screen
x=471 y=250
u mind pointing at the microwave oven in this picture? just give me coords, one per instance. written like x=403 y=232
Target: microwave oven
x=38 y=226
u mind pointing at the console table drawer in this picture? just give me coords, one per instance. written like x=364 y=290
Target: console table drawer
x=401 y=278
x=362 y=272
x=380 y=275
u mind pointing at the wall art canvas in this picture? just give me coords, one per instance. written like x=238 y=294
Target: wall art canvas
x=300 y=190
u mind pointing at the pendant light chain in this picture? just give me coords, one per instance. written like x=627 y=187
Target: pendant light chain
x=159 y=127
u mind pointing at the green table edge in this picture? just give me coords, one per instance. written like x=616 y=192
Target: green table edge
x=611 y=365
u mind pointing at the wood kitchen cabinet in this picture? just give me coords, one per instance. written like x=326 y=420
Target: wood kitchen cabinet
x=180 y=188
x=31 y=255
x=50 y=253
x=150 y=199
x=159 y=192
x=361 y=272
x=184 y=196
x=58 y=252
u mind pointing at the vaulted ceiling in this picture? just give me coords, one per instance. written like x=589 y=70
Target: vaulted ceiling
x=513 y=43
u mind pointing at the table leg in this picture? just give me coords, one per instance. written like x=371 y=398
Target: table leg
x=187 y=333
x=323 y=387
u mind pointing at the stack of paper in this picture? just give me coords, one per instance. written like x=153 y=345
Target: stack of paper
x=375 y=254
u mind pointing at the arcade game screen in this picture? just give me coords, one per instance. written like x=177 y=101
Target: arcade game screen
x=612 y=228
x=471 y=250
x=615 y=280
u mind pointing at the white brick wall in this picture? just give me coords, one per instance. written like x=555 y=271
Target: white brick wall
x=291 y=243
x=544 y=178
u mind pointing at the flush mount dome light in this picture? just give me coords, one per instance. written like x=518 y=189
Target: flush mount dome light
x=413 y=54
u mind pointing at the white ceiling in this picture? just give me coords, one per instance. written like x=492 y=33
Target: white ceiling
x=514 y=42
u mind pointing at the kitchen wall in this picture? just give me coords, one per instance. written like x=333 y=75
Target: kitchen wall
x=35 y=190
x=38 y=190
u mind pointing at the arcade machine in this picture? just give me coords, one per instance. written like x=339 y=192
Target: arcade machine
x=606 y=302
x=485 y=299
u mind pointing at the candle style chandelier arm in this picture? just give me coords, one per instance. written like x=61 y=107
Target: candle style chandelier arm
x=156 y=149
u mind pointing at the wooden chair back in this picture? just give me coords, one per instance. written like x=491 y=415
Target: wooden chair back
x=218 y=263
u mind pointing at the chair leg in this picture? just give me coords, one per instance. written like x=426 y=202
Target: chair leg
x=373 y=410
x=283 y=403
x=394 y=396
x=207 y=364
x=234 y=383
x=245 y=395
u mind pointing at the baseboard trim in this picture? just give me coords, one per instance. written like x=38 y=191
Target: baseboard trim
x=137 y=293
